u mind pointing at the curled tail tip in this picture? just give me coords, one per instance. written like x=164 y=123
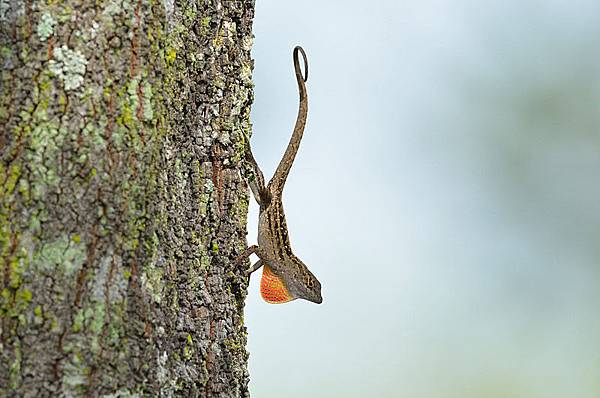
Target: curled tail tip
x=297 y=62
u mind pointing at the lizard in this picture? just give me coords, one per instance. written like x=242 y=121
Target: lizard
x=285 y=277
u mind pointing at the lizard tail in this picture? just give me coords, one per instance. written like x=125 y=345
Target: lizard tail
x=297 y=63
x=278 y=181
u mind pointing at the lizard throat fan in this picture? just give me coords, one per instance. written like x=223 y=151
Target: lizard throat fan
x=272 y=288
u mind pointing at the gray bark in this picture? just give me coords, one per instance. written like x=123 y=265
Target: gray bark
x=121 y=201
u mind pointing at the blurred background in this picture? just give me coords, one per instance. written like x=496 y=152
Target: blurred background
x=446 y=194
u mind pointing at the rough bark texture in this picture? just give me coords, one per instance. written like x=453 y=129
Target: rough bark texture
x=121 y=201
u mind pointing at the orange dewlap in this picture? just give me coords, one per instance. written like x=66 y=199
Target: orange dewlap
x=272 y=289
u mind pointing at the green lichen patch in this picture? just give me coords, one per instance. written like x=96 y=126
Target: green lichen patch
x=246 y=75
x=205 y=26
x=69 y=66
x=75 y=375
x=188 y=348
x=132 y=103
x=112 y=8
x=148 y=113
x=45 y=142
x=130 y=106
x=88 y=326
x=16 y=297
x=45 y=27
x=170 y=56
x=153 y=282
x=239 y=210
x=8 y=180
x=15 y=366
x=62 y=255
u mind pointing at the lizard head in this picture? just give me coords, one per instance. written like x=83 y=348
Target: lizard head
x=304 y=284
x=313 y=289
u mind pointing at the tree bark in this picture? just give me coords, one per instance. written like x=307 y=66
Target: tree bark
x=121 y=201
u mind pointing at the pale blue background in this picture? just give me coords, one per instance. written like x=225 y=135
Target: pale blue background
x=446 y=194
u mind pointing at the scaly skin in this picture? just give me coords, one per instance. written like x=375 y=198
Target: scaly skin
x=274 y=249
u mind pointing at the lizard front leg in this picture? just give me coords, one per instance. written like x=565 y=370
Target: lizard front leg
x=247 y=253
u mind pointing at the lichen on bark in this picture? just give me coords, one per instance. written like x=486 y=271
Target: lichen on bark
x=121 y=201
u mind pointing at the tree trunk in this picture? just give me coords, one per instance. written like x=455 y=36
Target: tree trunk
x=121 y=201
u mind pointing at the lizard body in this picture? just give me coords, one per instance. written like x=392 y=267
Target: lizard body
x=285 y=277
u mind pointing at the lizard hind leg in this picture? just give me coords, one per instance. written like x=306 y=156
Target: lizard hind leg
x=256 y=266
x=273 y=289
x=245 y=254
x=255 y=179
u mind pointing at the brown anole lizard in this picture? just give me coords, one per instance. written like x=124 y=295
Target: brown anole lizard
x=285 y=277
